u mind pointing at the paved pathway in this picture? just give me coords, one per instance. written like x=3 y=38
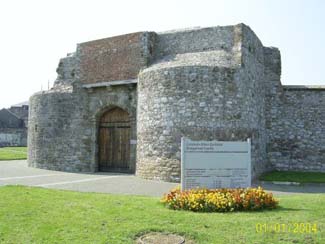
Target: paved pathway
x=17 y=172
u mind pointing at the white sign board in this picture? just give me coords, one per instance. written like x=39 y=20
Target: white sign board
x=215 y=164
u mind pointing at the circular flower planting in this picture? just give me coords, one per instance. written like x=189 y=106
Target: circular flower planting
x=220 y=200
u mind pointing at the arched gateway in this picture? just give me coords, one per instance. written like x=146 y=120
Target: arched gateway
x=114 y=141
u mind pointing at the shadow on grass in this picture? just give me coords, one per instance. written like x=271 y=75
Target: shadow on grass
x=280 y=208
x=260 y=211
x=276 y=210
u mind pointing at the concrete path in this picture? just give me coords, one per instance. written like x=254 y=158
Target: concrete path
x=17 y=172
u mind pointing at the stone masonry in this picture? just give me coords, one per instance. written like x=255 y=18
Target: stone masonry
x=217 y=83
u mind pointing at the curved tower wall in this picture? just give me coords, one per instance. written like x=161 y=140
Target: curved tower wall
x=59 y=134
x=205 y=84
x=216 y=100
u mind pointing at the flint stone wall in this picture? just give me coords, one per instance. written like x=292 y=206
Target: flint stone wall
x=215 y=83
x=298 y=141
x=59 y=132
x=219 y=100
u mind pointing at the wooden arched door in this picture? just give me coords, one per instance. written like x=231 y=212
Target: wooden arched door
x=114 y=141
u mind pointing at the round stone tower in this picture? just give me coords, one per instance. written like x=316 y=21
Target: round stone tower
x=198 y=87
x=204 y=84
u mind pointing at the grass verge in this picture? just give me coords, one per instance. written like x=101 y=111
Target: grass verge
x=13 y=153
x=292 y=176
x=37 y=215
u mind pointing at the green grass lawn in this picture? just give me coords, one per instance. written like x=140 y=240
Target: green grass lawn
x=12 y=153
x=302 y=177
x=36 y=215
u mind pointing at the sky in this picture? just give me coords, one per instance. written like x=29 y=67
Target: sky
x=35 y=34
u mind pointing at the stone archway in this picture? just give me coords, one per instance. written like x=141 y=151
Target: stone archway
x=114 y=141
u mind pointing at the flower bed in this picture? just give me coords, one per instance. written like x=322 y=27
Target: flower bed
x=220 y=200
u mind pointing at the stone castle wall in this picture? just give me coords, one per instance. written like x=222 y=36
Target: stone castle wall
x=215 y=83
x=201 y=98
x=295 y=121
x=102 y=99
x=56 y=131
x=63 y=123
x=298 y=139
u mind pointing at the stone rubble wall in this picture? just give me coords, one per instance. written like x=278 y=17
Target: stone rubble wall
x=58 y=132
x=273 y=98
x=295 y=121
x=101 y=100
x=63 y=123
x=216 y=83
x=251 y=79
x=202 y=103
x=194 y=40
x=298 y=143
x=66 y=71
